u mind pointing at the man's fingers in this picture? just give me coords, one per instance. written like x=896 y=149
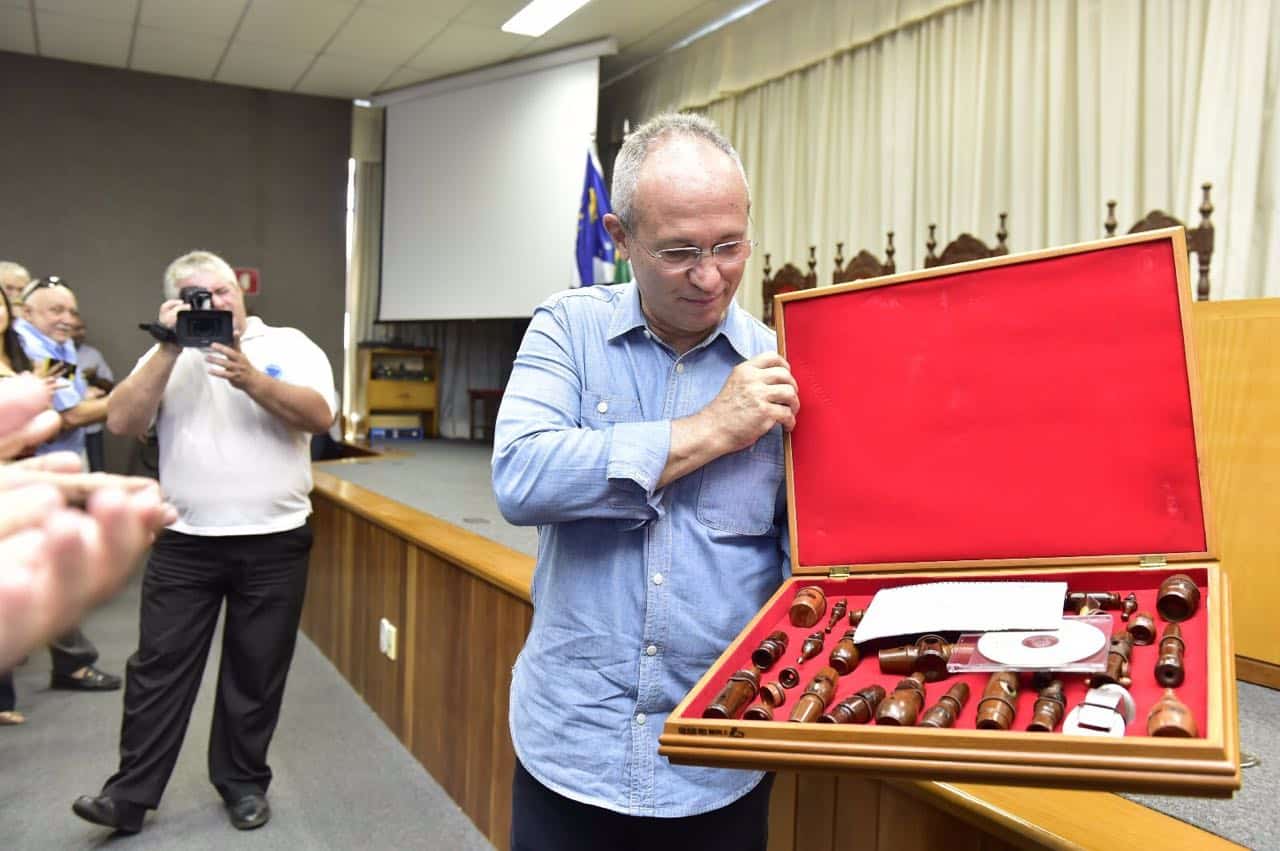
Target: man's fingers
x=36 y=430
x=27 y=506
x=765 y=360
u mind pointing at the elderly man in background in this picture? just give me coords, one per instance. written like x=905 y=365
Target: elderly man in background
x=641 y=431
x=46 y=337
x=234 y=424
x=97 y=374
x=14 y=278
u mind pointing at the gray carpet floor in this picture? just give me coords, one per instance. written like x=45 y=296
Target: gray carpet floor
x=342 y=780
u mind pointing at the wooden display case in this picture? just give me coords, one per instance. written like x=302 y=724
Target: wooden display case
x=401 y=380
x=1030 y=417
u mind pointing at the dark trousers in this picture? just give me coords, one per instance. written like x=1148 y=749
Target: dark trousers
x=71 y=651
x=94 y=450
x=543 y=820
x=263 y=579
x=8 y=697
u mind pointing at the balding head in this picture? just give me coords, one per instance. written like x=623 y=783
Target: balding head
x=14 y=278
x=52 y=309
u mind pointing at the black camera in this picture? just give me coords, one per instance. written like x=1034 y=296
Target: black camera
x=201 y=326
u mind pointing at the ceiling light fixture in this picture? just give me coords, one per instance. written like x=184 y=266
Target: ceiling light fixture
x=541 y=15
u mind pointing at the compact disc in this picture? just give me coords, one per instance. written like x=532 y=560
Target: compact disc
x=1043 y=648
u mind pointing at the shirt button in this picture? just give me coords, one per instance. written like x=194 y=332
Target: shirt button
x=640 y=718
x=651 y=650
x=602 y=407
x=679 y=367
x=657 y=579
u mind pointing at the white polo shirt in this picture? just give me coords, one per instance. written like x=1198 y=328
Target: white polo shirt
x=228 y=465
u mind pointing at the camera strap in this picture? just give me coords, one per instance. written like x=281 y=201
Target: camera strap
x=161 y=333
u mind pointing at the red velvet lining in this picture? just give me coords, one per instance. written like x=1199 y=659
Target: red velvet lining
x=858 y=591
x=1039 y=409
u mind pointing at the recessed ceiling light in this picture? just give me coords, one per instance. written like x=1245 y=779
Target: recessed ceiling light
x=541 y=15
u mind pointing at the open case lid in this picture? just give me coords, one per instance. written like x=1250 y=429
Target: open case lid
x=1036 y=408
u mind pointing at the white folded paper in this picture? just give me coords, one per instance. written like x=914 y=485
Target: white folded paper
x=962 y=607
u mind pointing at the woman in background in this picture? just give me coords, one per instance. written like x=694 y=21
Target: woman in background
x=13 y=360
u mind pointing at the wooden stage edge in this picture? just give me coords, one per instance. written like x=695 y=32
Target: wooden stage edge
x=451 y=592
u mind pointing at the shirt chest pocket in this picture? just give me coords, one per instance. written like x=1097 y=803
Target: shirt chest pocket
x=738 y=493
x=601 y=410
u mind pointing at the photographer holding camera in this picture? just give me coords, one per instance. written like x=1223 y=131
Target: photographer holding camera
x=234 y=425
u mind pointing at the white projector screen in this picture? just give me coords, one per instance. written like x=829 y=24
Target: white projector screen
x=481 y=195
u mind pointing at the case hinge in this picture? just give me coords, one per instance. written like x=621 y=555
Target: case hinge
x=839 y=572
x=1153 y=561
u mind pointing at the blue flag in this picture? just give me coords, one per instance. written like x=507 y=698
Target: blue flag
x=595 y=247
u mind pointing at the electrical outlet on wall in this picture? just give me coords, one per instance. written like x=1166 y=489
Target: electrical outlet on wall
x=387 y=639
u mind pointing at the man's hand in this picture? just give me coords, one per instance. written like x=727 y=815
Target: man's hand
x=230 y=363
x=169 y=310
x=758 y=394
x=26 y=418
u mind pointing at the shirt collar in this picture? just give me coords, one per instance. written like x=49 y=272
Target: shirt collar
x=24 y=327
x=253 y=327
x=734 y=326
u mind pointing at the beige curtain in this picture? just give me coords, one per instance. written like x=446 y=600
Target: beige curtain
x=953 y=113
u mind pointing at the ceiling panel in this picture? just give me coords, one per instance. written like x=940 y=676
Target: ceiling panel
x=263 y=66
x=296 y=24
x=123 y=11
x=404 y=77
x=338 y=76
x=492 y=13
x=389 y=37
x=83 y=39
x=462 y=46
x=15 y=30
x=206 y=17
x=180 y=54
x=446 y=9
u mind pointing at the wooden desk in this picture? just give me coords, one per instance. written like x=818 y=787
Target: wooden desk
x=457 y=596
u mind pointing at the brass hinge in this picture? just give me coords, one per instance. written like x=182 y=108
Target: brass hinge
x=1153 y=561
x=841 y=572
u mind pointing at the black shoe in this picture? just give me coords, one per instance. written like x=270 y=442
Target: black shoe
x=92 y=680
x=249 y=812
x=124 y=816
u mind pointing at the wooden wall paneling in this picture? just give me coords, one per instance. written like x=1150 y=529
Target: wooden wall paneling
x=857 y=813
x=815 y=811
x=782 y=812
x=512 y=619
x=384 y=577
x=908 y=824
x=440 y=648
x=1238 y=348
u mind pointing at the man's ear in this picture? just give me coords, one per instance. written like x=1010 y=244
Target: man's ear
x=618 y=234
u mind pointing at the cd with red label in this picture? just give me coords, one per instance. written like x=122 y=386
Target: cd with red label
x=1073 y=641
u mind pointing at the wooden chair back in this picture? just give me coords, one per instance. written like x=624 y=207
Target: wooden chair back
x=966 y=247
x=864 y=264
x=1199 y=238
x=788 y=279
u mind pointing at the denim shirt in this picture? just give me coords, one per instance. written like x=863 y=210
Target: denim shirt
x=637 y=589
x=39 y=347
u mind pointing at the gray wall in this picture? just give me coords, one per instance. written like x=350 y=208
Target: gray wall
x=107 y=175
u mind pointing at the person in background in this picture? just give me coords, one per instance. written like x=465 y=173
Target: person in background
x=234 y=425
x=641 y=431
x=97 y=374
x=45 y=333
x=14 y=278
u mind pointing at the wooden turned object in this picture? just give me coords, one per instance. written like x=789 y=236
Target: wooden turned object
x=945 y=712
x=844 y=656
x=1050 y=706
x=928 y=656
x=1178 y=598
x=999 y=702
x=901 y=708
x=770 y=650
x=812 y=647
x=1169 y=669
x=758 y=712
x=816 y=698
x=808 y=607
x=857 y=708
x=1143 y=629
x=837 y=612
x=1117 y=670
x=736 y=694
x=789 y=677
x=1171 y=717
x=773 y=694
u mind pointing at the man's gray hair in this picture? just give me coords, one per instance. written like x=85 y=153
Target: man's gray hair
x=190 y=263
x=9 y=269
x=641 y=141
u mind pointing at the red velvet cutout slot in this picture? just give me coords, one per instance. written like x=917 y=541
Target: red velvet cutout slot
x=1035 y=410
x=858 y=591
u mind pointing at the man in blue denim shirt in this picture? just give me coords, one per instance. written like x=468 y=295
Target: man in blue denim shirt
x=641 y=431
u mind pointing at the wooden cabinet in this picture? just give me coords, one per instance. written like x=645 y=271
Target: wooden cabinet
x=400 y=380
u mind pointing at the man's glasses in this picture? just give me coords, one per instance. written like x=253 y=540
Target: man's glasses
x=685 y=258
